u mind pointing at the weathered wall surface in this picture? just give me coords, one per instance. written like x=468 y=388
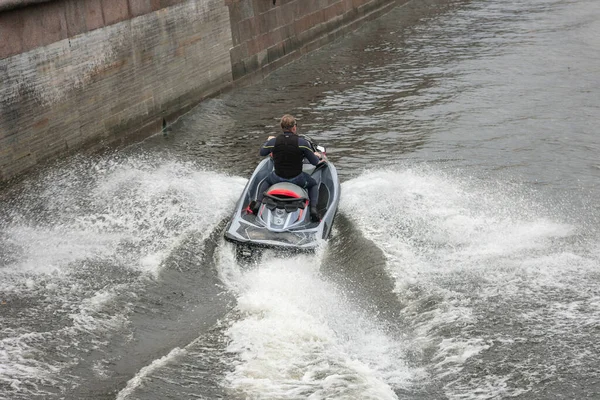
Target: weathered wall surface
x=76 y=73
x=111 y=81
x=267 y=35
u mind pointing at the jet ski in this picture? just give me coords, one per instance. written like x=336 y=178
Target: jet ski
x=282 y=220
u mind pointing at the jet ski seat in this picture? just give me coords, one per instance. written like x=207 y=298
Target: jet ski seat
x=286 y=196
x=286 y=190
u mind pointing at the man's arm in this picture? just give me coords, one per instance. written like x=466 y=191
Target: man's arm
x=308 y=153
x=267 y=147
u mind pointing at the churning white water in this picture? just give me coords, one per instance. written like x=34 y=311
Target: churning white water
x=481 y=269
x=82 y=245
x=299 y=337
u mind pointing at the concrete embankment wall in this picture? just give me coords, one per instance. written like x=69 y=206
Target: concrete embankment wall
x=85 y=73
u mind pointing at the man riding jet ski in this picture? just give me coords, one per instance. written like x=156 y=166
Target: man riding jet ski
x=288 y=151
x=275 y=209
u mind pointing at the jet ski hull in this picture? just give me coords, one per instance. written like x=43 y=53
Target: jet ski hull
x=278 y=224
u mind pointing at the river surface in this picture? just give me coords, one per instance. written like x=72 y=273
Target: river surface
x=464 y=261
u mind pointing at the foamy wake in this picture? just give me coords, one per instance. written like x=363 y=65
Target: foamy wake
x=464 y=255
x=298 y=337
x=80 y=241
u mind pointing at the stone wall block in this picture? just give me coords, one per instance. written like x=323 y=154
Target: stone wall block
x=302 y=8
x=275 y=52
x=247 y=29
x=251 y=63
x=285 y=14
x=315 y=5
x=262 y=6
x=277 y=36
x=11 y=34
x=246 y=10
x=333 y=11
x=75 y=12
x=259 y=24
x=263 y=58
x=238 y=70
x=236 y=37
x=263 y=41
x=168 y=3
x=302 y=24
x=271 y=20
x=44 y=25
x=236 y=15
x=253 y=46
x=156 y=5
x=316 y=18
x=288 y=31
x=235 y=12
x=115 y=11
x=239 y=52
x=329 y=13
x=55 y=23
x=291 y=44
x=141 y=7
x=93 y=15
x=33 y=30
x=360 y=12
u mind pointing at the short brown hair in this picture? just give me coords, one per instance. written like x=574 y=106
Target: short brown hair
x=287 y=122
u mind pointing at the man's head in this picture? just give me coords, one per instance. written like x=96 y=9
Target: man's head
x=288 y=123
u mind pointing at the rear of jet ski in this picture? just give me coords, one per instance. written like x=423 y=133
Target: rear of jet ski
x=243 y=231
x=265 y=229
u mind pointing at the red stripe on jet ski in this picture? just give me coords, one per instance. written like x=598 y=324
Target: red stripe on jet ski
x=284 y=192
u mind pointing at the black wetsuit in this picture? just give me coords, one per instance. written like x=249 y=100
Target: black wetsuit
x=288 y=151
